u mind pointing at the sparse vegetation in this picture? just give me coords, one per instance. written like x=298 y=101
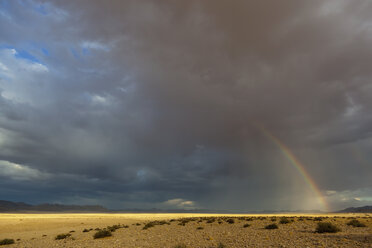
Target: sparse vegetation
x=220 y=245
x=154 y=223
x=211 y=220
x=102 y=234
x=6 y=241
x=148 y=225
x=62 y=236
x=356 y=223
x=113 y=228
x=205 y=231
x=327 y=227
x=180 y=246
x=284 y=220
x=271 y=226
x=230 y=221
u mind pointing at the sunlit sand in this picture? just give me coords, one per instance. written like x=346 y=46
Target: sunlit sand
x=40 y=230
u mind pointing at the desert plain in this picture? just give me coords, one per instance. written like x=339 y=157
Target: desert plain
x=183 y=230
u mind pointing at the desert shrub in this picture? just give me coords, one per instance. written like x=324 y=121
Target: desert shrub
x=318 y=219
x=326 y=227
x=183 y=222
x=220 y=245
x=230 y=221
x=180 y=246
x=211 y=220
x=161 y=222
x=148 y=225
x=6 y=241
x=62 y=236
x=200 y=228
x=271 y=226
x=284 y=220
x=154 y=223
x=113 y=228
x=86 y=230
x=355 y=223
x=72 y=231
x=101 y=234
x=273 y=219
x=246 y=225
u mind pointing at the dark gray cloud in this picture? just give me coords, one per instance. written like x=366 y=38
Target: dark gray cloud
x=139 y=104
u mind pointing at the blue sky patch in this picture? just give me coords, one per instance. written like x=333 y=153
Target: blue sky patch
x=40 y=8
x=23 y=54
x=5 y=46
x=74 y=53
x=45 y=51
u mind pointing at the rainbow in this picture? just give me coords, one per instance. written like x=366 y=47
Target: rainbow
x=297 y=165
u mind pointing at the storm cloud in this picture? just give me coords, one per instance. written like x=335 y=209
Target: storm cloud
x=158 y=103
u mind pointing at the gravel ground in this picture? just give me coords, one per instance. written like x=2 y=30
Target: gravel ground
x=192 y=230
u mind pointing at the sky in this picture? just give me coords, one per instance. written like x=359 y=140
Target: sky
x=229 y=105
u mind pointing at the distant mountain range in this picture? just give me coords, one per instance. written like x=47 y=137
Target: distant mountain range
x=8 y=206
x=365 y=209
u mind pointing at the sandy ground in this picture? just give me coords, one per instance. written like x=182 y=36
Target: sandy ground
x=40 y=230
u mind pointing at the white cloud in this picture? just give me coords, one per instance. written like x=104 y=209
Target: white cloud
x=37 y=67
x=3 y=67
x=99 y=99
x=352 y=108
x=20 y=77
x=349 y=198
x=180 y=203
x=20 y=172
x=10 y=63
x=104 y=100
x=331 y=192
x=95 y=45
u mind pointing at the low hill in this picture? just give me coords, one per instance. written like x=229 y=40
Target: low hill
x=365 y=209
x=8 y=206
